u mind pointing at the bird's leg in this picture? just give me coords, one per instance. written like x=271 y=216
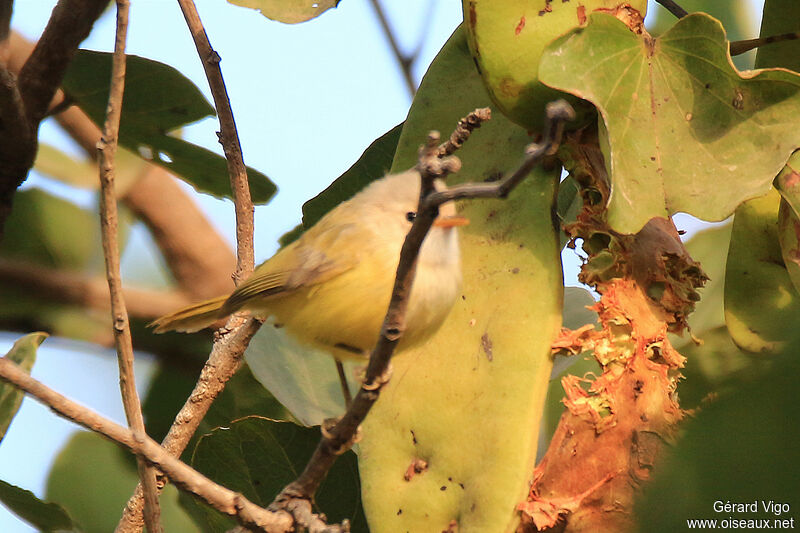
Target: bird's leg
x=343 y=382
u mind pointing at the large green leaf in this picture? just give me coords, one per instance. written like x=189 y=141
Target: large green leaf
x=23 y=353
x=736 y=17
x=685 y=130
x=779 y=17
x=762 y=308
x=302 y=378
x=46 y=516
x=489 y=364
x=288 y=11
x=737 y=449
x=258 y=457
x=92 y=478
x=158 y=100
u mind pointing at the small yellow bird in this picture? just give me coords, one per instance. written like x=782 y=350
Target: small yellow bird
x=331 y=287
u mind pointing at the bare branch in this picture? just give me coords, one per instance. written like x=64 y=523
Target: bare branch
x=224 y=361
x=89 y=292
x=185 y=477
x=230 y=142
x=6 y=9
x=109 y=224
x=464 y=129
x=344 y=432
x=17 y=142
x=198 y=257
x=673 y=7
x=405 y=62
x=740 y=47
x=70 y=23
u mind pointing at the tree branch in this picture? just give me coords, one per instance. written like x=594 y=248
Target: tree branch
x=41 y=76
x=229 y=347
x=185 y=477
x=6 y=9
x=90 y=292
x=405 y=62
x=25 y=101
x=673 y=7
x=229 y=138
x=224 y=361
x=740 y=47
x=198 y=257
x=109 y=224
x=432 y=165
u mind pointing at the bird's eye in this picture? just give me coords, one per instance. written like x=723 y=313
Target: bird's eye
x=410 y=216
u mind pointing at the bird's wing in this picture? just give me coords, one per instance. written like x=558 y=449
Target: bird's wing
x=314 y=258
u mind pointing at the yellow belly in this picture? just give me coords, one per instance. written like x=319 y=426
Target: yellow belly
x=344 y=315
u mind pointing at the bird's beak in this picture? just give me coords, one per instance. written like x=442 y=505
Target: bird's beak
x=451 y=221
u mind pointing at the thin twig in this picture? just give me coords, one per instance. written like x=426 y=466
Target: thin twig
x=673 y=8
x=226 y=356
x=109 y=223
x=230 y=142
x=343 y=433
x=405 y=62
x=740 y=47
x=224 y=361
x=181 y=474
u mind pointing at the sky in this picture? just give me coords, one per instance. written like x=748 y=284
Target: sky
x=308 y=99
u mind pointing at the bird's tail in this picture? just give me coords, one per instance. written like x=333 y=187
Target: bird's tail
x=190 y=319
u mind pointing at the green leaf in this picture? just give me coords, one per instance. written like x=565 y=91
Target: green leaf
x=762 y=308
x=46 y=516
x=736 y=17
x=735 y=449
x=373 y=164
x=23 y=353
x=258 y=457
x=780 y=16
x=488 y=366
x=158 y=99
x=686 y=131
x=288 y=11
x=92 y=478
x=303 y=379
x=48 y=231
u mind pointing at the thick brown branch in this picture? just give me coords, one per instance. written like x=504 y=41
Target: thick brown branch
x=17 y=142
x=229 y=138
x=222 y=499
x=89 y=292
x=198 y=257
x=109 y=224
x=40 y=77
x=341 y=436
x=6 y=9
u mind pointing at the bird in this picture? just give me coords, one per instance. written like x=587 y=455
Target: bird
x=331 y=287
